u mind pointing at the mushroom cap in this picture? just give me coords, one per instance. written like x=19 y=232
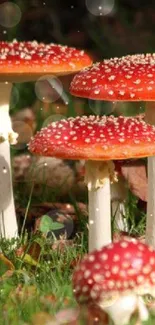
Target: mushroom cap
x=120 y=268
x=26 y=61
x=129 y=78
x=95 y=138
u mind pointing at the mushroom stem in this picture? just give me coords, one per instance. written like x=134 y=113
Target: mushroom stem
x=150 y=221
x=118 y=197
x=118 y=212
x=122 y=309
x=98 y=182
x=8 y=222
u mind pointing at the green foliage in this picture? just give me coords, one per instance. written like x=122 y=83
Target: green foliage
x=47 y=224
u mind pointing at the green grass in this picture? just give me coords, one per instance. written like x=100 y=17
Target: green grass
x=43 y=274
x=23 y=293
x=43 y=287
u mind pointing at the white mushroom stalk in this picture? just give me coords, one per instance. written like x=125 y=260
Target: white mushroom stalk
x=118 y=197
x=122 y=309
x=8 y=221
x=97 y=178
x=150 y=220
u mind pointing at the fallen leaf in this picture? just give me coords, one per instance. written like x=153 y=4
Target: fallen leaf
x=29 y=260
x=6 y=275
x=42 y=318
x=34 y=250
x=48 y=300
x=135 y=174
x=97 y=316
x=25 y=115
x=5 y=265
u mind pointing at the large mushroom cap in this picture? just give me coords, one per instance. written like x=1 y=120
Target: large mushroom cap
x=95 y=138
x=120 y=268
x=129 y=78
x=30 y=60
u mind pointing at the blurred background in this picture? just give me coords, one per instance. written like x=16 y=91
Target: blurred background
x=104 y=27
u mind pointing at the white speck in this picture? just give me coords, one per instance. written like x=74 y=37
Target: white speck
x=115 y=269
x=98 y=277
x=116 y=258
x=87 y=274
x=91 y=258
x=124 y=244
x=104 y=257
x=85 y=289
x=96 y=92
x=122 y=93
x=137 y=82
x=110 y=92
x=111 y=78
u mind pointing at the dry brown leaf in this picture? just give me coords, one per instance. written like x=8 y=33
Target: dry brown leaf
x=25 y=115
x=48 y=300
x=42 y=318
x=6 y=275
x=93 y=315
x=33 y=250
x=6 y=262
x=135 y=174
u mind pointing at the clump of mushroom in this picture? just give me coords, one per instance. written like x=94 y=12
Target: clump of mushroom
x=115 y=278
x=98 y=140
x=21 y=62
x=129 y=78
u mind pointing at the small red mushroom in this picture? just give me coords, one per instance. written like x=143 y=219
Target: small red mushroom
x=21 y=62
x=98 y=140
x=115 y=277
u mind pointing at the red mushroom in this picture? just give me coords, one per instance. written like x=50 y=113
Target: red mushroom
x=115 y=277
x=129 y=78
x=97 y=140
x=25 y=61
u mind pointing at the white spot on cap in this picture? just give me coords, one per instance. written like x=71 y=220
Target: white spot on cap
x=96 y=92
x=110 y=92
x=87 y=273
